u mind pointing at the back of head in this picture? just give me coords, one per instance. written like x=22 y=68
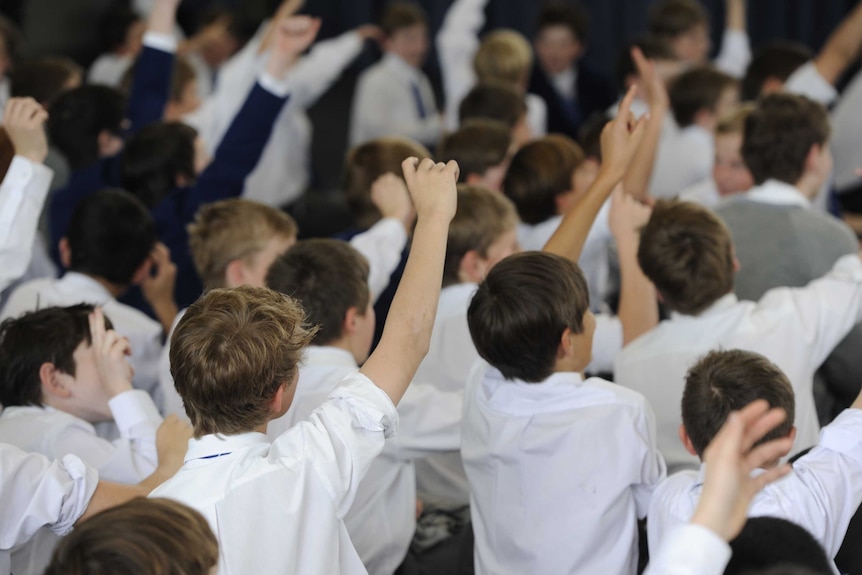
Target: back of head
x=779 y=134
x=44 y=79
x=519 y=313
x=401 y=15
x=328 y=277
x=696 y=90
x=141 y=537
x=366 y=163
x=538 y=173
x=670 y=19
x=110 y=235
x=504 y=56
x=726 y=381
x=571 y=16
x=114 y=26
x=777 y=61
x=653 y=48
x=231 y=352
x=482 y=217
x=49 y=335
x=493 y=101
x=156 y=158
x=477 y=146
x=234 y=229
x=79 y=116
x=778 y=547
x=687 y=252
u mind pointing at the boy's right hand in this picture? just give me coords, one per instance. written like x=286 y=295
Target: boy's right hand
x=389 y=195
x=172 y=441
x=110 y=349
x=24 y=121
x=433 y=187
x=621 y=138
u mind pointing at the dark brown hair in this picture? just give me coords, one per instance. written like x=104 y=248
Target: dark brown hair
x=571 y=16
x=401 y=15
x=43 y=79
x=477 y=146
x=673 y=18
x=493 y=101
x=697 y=89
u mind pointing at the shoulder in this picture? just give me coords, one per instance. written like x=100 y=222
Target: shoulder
x=127 y=318
x=614 y=394
x=25 y=297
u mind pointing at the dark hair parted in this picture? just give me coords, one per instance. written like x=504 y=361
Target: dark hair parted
x=571 y=16
x=519 y=313
x=155 y=157
x=696 y=90
x=493 y=101
x=401 y=15
x=477 y=146
x=79 y=116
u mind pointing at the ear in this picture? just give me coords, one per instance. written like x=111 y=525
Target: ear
x=792 y=434
x=235 y=273
x=812 y=157
x=65 y=253
x=470 y=268
x=564 y=202
x=474 y=179
x=705 y=119
x=348 y=325
x=277 y=405
x=108 y=144
x=52 y=382
x=686 y=441
x=566 y=347
x=143 y=272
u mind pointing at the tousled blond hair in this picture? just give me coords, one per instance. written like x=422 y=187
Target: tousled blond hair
x=504 y=56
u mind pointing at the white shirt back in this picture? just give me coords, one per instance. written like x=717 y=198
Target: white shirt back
x=685 y=157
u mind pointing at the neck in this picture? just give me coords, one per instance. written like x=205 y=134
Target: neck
x=116 y=290
x=346 y=344
x=808 y=186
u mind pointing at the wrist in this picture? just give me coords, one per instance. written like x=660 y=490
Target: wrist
x=118 y=387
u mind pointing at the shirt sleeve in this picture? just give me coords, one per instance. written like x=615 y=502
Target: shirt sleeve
x=653 y=469
x=382 y=245
x=22 y=196
x=807 y=81
x=735 y=54
x=607 y=343
x=36 y=492
x=457 y=44
x=429 y=422
x=316 y=72
x=692 y=550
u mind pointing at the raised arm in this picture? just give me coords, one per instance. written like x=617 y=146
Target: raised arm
x=842 y=47
x=407 y=334
x=735 y=52
x=457 y=44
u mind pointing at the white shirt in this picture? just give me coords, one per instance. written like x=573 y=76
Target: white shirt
x=384 y=104
x=144 y=333
x=794 y=328
x=36 y=492
x=566 y=83
x=693 y=550
x=109 y=69
x=778 y=193
x=685 y=157
x=457 y=44
x=735 y=53
x=278 y=507
x=559 y=472
x=821 y=494
x=56 y=434
x=807 y=81
x=846 y=139
x=704 y=193
x=382 y=519
x=22 y=196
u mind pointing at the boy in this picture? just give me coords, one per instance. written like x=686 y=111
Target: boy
x=688 y=254
x=483 y=149
x=122 y=32
x=822 y=492
x=500 y=103
x=394 y=97
x=241 y=348
x=111 y=245
x=573 y=90
x=61 y=373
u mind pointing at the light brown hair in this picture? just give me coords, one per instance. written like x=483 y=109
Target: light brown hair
x=232 y=351
x=504 y=56
x=477 y=146
x=695 y=90
x=401 y=15
x=734 y=121
x=234 y=229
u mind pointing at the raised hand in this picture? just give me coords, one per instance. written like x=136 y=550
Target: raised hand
x=389 y=195
x=652 y=83
x=24 y=120
x=292 y=36
x=158 y=289
x=627 y=215
x=172 y=440
x=621 y=138
x=110 y=350
x=433 y=187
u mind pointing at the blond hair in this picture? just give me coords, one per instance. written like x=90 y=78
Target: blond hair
x=504 y=56
x=734 y=121
x=230 y=230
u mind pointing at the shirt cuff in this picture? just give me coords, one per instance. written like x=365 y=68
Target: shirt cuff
x=79 y=482
x=377 y=412
x=132 y=408
x=273 y=85
x=691 y=549
x=159 y=41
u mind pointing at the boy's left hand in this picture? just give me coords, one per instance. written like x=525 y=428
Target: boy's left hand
x=110 y=349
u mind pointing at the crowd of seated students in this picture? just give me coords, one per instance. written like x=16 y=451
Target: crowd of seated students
x=572 y=325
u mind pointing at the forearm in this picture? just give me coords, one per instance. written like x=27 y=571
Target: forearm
x=842 y=48
x=166 y=311
x=736 y=16
x=109 y=495
x=637 y=179
x=163 y=17
x=638 y=308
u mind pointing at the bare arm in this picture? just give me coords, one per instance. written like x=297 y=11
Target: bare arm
x=288 y=8
x=163 y=17
x=735 y=15
x=842 y=48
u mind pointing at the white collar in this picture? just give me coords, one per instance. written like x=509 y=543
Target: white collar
x=779 y=194
x=398 y=65
x=325 y=355
x=721 y=304
x=84 y=286
x=566 y=82
x=216 y=445
x=521 y=399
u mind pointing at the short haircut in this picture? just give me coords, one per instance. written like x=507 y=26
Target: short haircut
x=539 y=172
x=477 y=146
x=734 y=121
x=571 y=16
x=231 y=352
x=234 y=229
x=328 y=277
x=777 y=60
x=401 y=15
x=671 y=19
x=182 y=75
x=653 y=48
x=366 y=163
x=482 y=217
x=774 y=543
x=519 y=313
x=687 y=252
x=48 y=335
x=115 y=24
x=779 y=133
x=154 y=157
x=140 y=537
x=493 y=101
x=43 y=79
x=695 y=90
x=79 y=116
x=503 y=56
x=110 y=235
x=725 y=381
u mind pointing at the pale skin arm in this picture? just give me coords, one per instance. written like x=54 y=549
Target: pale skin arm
x=163 y=17
x=842 y=48
x=735 y=15
x=287 y=9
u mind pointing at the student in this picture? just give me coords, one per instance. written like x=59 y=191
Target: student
x=393 y=97
x=141 y=537
x=330 y=279
x=571 y=87
x=502 y=56
x=684 y=24
x=62 y=373
x=122 y=31
x=698 y=98
x=500 y=103
x=483 y=149
x=822 y=492
x=688 y=254
x=247 y=342
x=111 y=245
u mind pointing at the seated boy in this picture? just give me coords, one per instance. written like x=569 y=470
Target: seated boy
x=483 y=149
x=394 y=97
x=111 y=245
x=822 y=492
x=235 y=357
x=571 y=87
x=688 y=254
x=122 y=31
x=62 y=372
x=500 y=103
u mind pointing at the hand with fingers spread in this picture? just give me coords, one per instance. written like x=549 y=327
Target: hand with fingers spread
x=730 y=459
x=621 y=138
x=389 y=195
x=111 y=350
x=24 y=120
x=292 y=36
x=433 y=187
x=172 y=441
